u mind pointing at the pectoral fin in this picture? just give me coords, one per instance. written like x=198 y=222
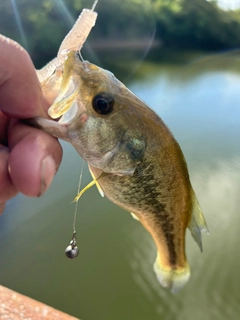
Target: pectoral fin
x=197 y=223
x=92 y=183
x=134 y=216
x=97 y=184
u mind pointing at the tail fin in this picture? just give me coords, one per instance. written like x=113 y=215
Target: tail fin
x=172 y=278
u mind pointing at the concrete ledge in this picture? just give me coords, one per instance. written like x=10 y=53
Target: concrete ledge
x=15 y=306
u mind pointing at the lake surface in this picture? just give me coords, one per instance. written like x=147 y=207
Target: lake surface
x=113 y=278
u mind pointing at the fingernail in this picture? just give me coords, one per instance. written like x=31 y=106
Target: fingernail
x=47 y=173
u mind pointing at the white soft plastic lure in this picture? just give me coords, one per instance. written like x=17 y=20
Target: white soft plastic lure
x=74 y=40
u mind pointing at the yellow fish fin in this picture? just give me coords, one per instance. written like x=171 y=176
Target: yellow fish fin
x=197 y=223
x=92 y=183
x=171 y=278
x=134 y=216
x=97 y=184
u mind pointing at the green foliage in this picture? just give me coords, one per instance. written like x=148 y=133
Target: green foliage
x=196 y=23
x=191 y=24
x=41 y=22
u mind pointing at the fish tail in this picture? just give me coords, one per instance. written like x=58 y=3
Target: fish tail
x=173 y=278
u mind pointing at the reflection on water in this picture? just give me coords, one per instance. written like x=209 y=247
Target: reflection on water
x=113 y=276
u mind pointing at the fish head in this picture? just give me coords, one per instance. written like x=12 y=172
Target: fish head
x=99 y=116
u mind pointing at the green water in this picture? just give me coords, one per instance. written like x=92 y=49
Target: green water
x=113 y=279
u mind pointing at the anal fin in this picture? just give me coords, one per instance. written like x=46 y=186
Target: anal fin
x=197 y=223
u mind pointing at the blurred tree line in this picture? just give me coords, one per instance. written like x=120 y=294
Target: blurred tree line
x=197 y=24
x=184 y=24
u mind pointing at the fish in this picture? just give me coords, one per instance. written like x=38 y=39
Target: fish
x=133 y=157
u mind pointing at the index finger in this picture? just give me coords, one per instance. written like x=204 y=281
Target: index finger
x=20 y=91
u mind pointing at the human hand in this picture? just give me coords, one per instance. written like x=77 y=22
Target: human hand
x=29 y=157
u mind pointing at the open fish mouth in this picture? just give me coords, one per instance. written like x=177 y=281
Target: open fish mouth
x=69 y=115
x=65 y=107
x=68 y=105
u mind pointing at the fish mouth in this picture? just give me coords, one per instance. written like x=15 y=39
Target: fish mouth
x=70 y=115
x=66 y=107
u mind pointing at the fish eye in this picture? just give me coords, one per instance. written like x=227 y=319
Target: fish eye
x=103 y=103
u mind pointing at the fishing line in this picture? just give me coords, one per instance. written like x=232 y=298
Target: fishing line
x=72 y=250
x=78 y=190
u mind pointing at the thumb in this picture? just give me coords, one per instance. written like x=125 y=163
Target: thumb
x=20 y=91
